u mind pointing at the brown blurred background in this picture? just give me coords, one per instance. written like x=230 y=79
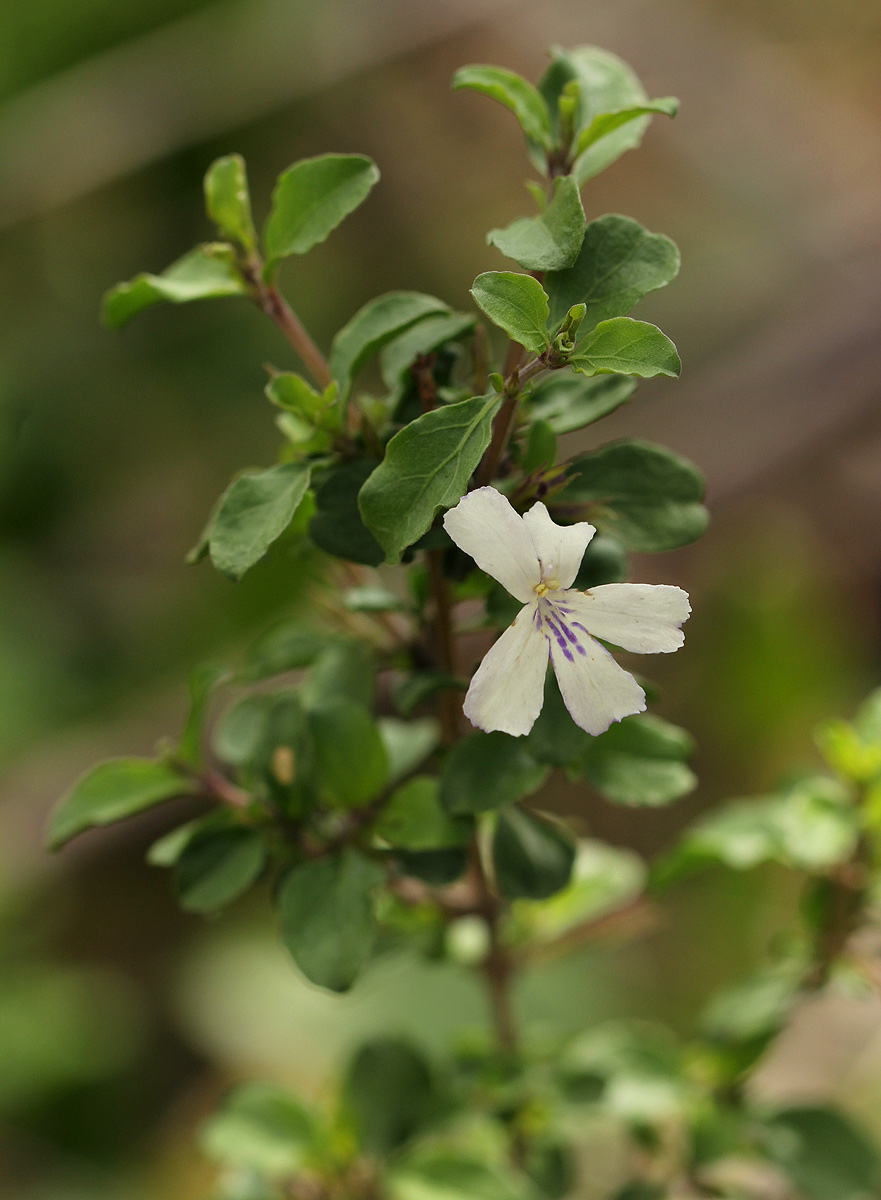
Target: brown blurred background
x=120 y=1018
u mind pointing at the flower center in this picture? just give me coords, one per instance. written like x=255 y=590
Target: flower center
x=549 y=585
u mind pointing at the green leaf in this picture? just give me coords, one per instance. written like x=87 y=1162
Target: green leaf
x=261 y=1127
x=227 y=200
x=488 y=770
x=205 y=272
x=640 y=761
x=344 y=670
x=379 y=322
x=389 y=1093
x=604 y=562
x=605 y=85
x=555 y=739
x=413 y=819
x=426 y=468
x=514 y=92
x=756 y=1008
x=442 y=1175
x=516 y=303
x=425 y=338
x=532 y=857
x=550 y=241
x=312 y=197
x=202 y=683
x=626 y=347
x=825 y=1155
x=351 y=755
x=238 y=734
x=619 y=262
x=606 y=123
x=570 y=402
x=217 y=866
x=603 y=878
x=437 y=867
x=415 y=689
x=286 y=646
x=111 y=791
x=848 y=752
x=254 y=511
x=644 y=496
x=408 y=743
x=540 y=450
x=327 y=917
x=337 y=526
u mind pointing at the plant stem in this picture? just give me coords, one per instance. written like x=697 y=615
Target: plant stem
x=504 y=422
x=448 y=705
x=269 y=300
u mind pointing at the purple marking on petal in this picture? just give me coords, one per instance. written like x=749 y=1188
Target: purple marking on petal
x=536 y=617
x=578 y=625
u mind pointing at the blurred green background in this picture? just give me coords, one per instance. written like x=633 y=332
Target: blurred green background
x=121 y=1019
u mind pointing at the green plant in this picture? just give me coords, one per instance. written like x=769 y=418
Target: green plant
x=343 y=768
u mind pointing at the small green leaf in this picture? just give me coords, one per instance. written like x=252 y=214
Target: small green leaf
x=570 y=402
x=111 y=791
x=203 y=680
x=824 y=1153
x=555 y=739
x=408 y=743
x=286 y=646
x=337 y=527
x=254 y=511
x=517 y=304
x=532 y=857
x=260 y=1127
x=550 y=241
x=343 y=670
x=227 y=200
x=390 y=1094
x=379 y=322
x=414 y=820
x=487 y=770
x=238 y=734
x=606 y=123
x=626 y=347
x=216 y=866
x=327 y=917
x=438 y=1174
x=605 y=84
x=318 y=410
x=619 y=262
x=514 y=92
x=205 y=272
x=756 y=1008
x=351 y=756
x=540 y=451
x=426 y=468
x=644 y=496
x=640 y=761
x=312 y=197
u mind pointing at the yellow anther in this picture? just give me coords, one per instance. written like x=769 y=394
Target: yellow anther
x=542 y=589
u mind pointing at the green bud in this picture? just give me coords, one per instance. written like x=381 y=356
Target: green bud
x=497 y=382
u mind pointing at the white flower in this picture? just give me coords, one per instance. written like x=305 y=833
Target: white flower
x=537 y=560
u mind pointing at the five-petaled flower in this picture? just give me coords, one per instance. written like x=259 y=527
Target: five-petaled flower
x=537 y=560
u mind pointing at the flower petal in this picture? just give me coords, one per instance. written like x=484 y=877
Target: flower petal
x=560 y=548
x=484 y=525
x=507 y=690
x=643 y=617
x=594 y=688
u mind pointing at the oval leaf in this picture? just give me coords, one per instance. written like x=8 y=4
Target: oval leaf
x=626 y=347
x=327 y=918
x=516 y=303
x=619 y=262
x=227 y=200
x=532 y=858
x=111 y=791
x=312 y=197
x=254 y=510
x=487 y=770
x=205 y=272
x=372 y=327
x=426 y=468
x=644 y=496
x=548 y=242
x=512 y=90
x=351 y=755
x=570 y=402
x=216 y=866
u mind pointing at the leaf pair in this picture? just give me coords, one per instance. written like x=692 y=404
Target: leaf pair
x=311 y=198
